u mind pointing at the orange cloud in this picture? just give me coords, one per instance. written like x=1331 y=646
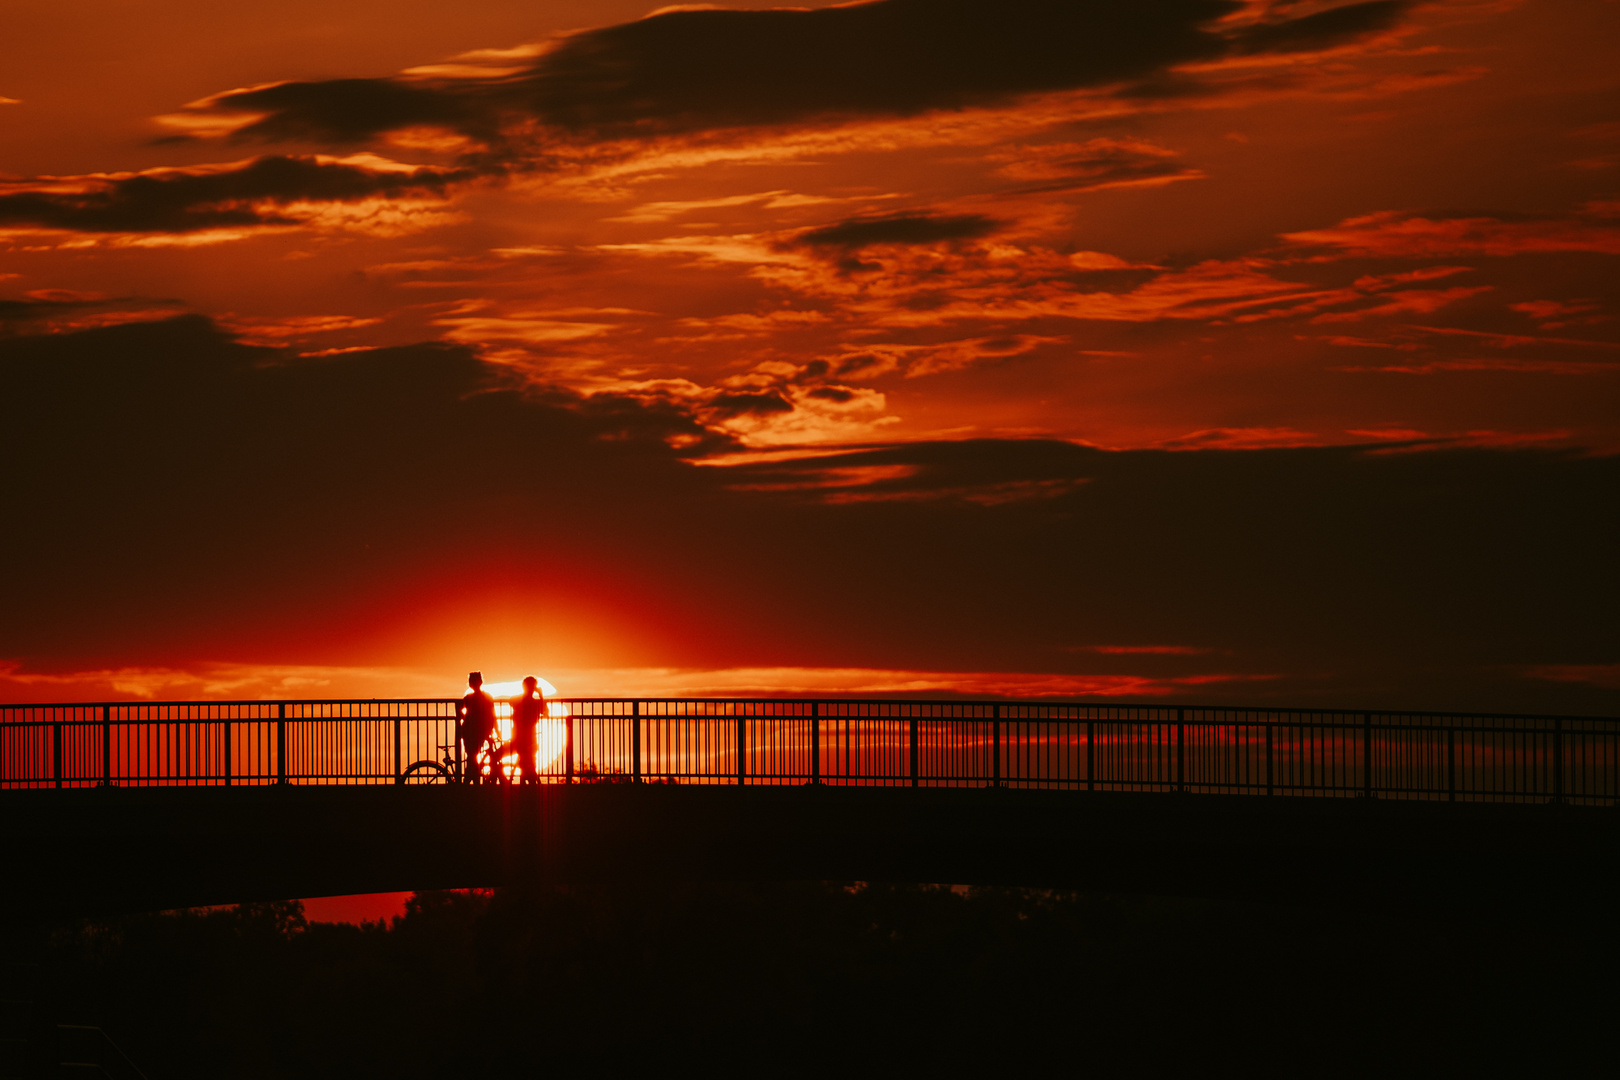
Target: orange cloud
x=1510 y=341
x=1539 y=367
x=1407 y=301
x=1552 y=314
x=1392 y=233
x=1094 y=165
x=1248 y=438
x=1605 y=675
x=267 y=330
x=250 y=682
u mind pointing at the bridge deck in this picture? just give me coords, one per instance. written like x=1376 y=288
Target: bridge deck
x=117 y=806
x=112 y=849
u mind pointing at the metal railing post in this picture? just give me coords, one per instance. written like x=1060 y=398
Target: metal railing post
x=56 y=753
x=1181 y=751
x=1091 y=754
x=399 y=777
x=455 y=739
x=815 y=742
x=568 y=745
x=281 y=742
x=226 y=751
x=1366 y=756
x=1270 y=774
x=1451 y=764
x=911 y=740
x=1558 y=760
x=995 y=748
x=106 y=745
x=635 y=741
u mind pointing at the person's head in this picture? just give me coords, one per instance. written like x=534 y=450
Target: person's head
x=475 y=679
x=530 y=684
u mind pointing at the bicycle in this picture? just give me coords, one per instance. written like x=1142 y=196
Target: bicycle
x=448 y=771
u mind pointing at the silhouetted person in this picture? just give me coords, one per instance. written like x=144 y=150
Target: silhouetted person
x=527 y=710
x=475 y=723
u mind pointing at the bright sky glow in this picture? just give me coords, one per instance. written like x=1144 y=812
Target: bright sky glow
x=1152 y=349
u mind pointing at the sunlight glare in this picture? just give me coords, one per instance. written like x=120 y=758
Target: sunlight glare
x=551 y=738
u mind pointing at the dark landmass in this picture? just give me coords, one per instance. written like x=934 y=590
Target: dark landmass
x=800 y=976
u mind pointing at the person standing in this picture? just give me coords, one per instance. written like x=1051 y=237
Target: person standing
x=475 y=724
x=527 y=710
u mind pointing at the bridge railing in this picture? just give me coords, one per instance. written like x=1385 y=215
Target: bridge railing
x=839 y=741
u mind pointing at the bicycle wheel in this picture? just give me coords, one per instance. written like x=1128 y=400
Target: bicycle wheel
x=425 y=772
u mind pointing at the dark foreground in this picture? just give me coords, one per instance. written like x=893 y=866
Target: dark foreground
x=656 y=929
x=614 y=978
x=99 y=851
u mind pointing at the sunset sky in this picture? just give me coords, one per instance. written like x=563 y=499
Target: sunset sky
x=1193 y=350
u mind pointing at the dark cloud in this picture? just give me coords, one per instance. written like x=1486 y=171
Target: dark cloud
x=1430 y=576
x=26 y=310
x=689 y=70
x=42 y=311
x=172 y=494
x=352 y=110
x=177 y=201
x=763 y=402
x=857 y=364
x=171 y=477
x=906 y=228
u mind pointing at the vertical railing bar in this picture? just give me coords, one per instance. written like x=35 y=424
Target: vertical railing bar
x=1091 y=752
x=106 y=745
x=1558 y=760
x=1270 y=766
x=911 y=739
x=995 y=747
x=568 y=746
x=815 y=742
x=635 y=741
x=1451 y=763
x=1366 y=756
x=1181 y=751
x=281 y=742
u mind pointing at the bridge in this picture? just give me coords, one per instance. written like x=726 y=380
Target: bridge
x=137 y=805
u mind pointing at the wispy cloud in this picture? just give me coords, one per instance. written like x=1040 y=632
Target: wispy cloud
x=363 y=193
x=1399 y=234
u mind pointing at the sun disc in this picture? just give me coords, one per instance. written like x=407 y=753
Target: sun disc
x=551 y=734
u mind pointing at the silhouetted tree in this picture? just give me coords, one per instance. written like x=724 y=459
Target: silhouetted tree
x=795 y=976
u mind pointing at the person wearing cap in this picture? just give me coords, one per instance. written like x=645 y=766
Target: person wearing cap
x=475 y=724
x=527 y=709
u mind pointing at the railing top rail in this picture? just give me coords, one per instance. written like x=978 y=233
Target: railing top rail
x=144 y=704
x=1042 y=703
